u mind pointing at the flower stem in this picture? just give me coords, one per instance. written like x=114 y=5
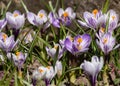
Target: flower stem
x=105 y=76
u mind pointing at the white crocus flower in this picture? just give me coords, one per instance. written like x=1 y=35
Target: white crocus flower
x=93 y=68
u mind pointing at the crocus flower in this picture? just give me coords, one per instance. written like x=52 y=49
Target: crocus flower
x=7 y=43
x=91 y=19
x=79 y=44
x=52 y=51
x=45 y=73
x=28 y=37
x=58 y=67
x=52 y=20
x=2 y=57
x=3 y=23
x=113 y=20
x=107 y=43
x=66 y=16
x=18 y=58
x=39 y=73
x=16 y=20
x=38 y=19
x=92 y=68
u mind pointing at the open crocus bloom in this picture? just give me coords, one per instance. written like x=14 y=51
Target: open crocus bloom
x=91 y=19
x=16 y=20
x=52 y=51
x=93 y=68
x=18 y=58
x=39 y=73
x=7 y=43
x=3 y=23
x=79 y=44
x=107 y=43
x=38 y=19
x=46 y=73
x=66 y=16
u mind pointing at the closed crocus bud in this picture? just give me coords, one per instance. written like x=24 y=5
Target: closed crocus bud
x=16 y=20
x=58 y=67
x=92 y=68
x=79 y=44
x=66 y=16
x=3 y=23
x=7 y=43
x=113 y=20
x=107 y=43
x=38 y=19
x=28 y=38
x=53 y=19
x=50 y=73
x=1 y=57
x=52 y=51
x=91 y=19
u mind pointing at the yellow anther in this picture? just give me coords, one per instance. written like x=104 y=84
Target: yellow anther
x=15 y=14
x=95 y=12
x=65 y=14
x=105 y=40
x=41 y=15
x=102 y=30
x=40 y=70
x=113 y=17
x=17 y=53
x=48 y=67
x=79 y=40
x=56 y=46
x=4 y=36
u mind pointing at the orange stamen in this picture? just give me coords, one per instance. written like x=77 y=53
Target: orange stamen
x=95 y=12
x=17 y=53
x=40 y=70
x=48 y=67
x=4 y=36
x=55 y=46
x=65 y=14
x=102 y=30
x=41 y=15
x=15 y=14
x=105 y=40
x=113 y=17
x=79 y=40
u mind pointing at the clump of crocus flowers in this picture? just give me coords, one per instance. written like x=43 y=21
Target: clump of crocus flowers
x=103 y=25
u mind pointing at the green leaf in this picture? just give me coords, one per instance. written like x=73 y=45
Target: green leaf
x=106 y=6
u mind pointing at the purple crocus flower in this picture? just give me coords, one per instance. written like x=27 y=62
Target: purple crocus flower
x=52 y=51
x=3 y=23
x=92 y=68
x=66 y=16
x=18 y=58
x=38 y=19
x=52 y=20
x=7 y=43
x=91 y=19
x=79 y=44
x=16 y=20
x=107 y=43
x=113 y=20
